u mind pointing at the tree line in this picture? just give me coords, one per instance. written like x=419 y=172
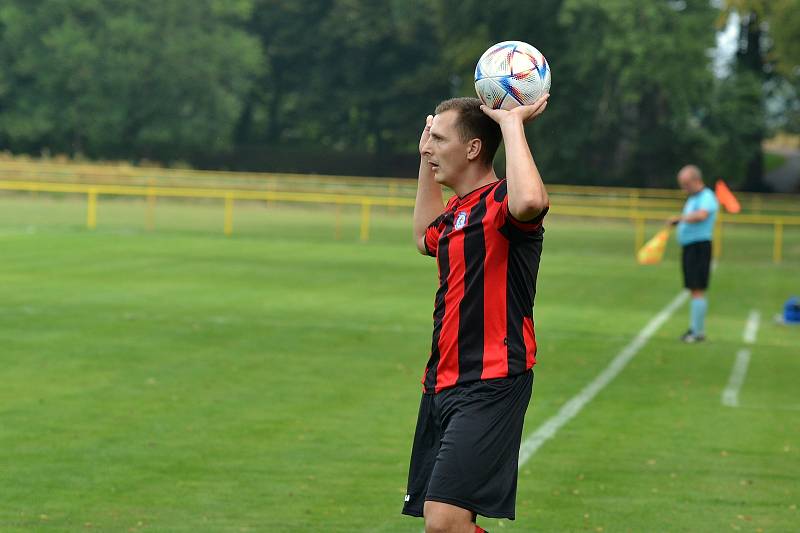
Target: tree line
x=343 y=86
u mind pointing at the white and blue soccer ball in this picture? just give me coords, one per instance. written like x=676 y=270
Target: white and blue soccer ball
x=510 y=74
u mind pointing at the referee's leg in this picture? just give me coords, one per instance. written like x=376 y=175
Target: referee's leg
x=445 y=518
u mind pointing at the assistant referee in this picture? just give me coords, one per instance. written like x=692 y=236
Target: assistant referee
x=695 y=228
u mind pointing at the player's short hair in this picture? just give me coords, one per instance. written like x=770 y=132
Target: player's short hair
x=473 y=123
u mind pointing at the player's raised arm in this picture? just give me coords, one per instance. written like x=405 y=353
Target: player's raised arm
x=429 y=203
x=527 y=196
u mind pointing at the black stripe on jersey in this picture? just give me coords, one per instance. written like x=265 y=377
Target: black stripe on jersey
x=438 y=313
x=471 y=319
x=500 y=191
x=523 y=268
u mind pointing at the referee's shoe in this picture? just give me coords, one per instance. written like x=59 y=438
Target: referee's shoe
x=690 y=337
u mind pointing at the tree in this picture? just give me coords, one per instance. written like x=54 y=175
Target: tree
x=382 y=73
x=629 y=79
x=768 y=57
x=125 y=78
x=278 y=105
x=635 y=77
x=343 y=74
x=784 y=30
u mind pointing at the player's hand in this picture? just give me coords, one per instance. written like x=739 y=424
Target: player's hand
x=523 y=113
x=673 y=221
x=426 y=133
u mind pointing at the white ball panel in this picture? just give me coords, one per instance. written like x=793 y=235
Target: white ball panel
x=490 y=92
x=496 y=61
x=521 y=62
x=527 y=87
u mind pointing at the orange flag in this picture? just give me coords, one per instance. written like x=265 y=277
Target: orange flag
x=653 y=250
x=726 y=197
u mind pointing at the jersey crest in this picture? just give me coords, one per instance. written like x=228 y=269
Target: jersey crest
x=461 y=220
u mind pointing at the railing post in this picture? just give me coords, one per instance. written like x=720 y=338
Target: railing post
x=91 y=209
x=639 y=237
x=365 y=208
x=150 y=220
x=718 y=237
x=228 y=214
x=392 y=193
x=777 y=245
x=634 y=198
x=338 y=227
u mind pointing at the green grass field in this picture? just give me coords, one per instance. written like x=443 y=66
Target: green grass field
x=179 y=380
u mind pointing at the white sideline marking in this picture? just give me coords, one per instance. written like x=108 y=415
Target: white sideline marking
x=548 y=429
x=730 y=396
x=751 y=328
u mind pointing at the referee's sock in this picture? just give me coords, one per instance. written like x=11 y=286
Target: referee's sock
x=698 y=315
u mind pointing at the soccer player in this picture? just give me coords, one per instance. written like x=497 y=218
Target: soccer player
x=695 y=228
x=478 y=380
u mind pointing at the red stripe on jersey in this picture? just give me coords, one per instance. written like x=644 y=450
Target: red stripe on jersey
x=495 y=346
x=432 y=239
x=530 y=341
x=447 y=370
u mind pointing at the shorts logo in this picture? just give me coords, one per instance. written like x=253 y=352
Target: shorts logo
x=408 y=497
x=461 y=220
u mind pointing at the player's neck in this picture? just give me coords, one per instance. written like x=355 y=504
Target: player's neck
x=476 y=179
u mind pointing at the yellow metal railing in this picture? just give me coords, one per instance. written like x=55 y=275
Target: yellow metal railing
x=228 y=196
x=92 y=173
x=367 y=202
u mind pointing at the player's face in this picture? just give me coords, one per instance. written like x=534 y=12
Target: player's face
x=445 y=151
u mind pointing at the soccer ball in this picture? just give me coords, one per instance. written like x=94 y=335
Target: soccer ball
x=510 y=74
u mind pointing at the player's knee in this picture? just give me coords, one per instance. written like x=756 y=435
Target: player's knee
x=438 y=524
x=443 y=521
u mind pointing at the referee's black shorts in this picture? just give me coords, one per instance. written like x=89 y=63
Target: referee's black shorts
x=697 y=265
x=466 y=447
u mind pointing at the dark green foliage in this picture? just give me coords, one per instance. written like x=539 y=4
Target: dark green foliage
x=227 y=83
x=124 y=78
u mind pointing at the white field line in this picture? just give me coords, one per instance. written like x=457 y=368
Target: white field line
x=751 y=328
x=549 y=428
x=730 y=396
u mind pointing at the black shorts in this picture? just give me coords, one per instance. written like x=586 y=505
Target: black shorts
x=696 y=265
x=466 y=447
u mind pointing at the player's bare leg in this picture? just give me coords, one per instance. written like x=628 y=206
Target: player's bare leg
x=445 y=518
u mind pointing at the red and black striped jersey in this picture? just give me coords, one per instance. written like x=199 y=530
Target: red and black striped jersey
x=483 y=313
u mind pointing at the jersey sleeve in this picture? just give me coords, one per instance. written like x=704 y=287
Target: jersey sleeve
x=435 y=229
x=432 y=234
x=709 y=202
x=506 y=222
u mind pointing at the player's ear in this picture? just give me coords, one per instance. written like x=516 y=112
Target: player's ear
x=474 y=149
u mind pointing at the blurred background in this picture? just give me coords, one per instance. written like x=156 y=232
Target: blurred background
x=343 y=86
